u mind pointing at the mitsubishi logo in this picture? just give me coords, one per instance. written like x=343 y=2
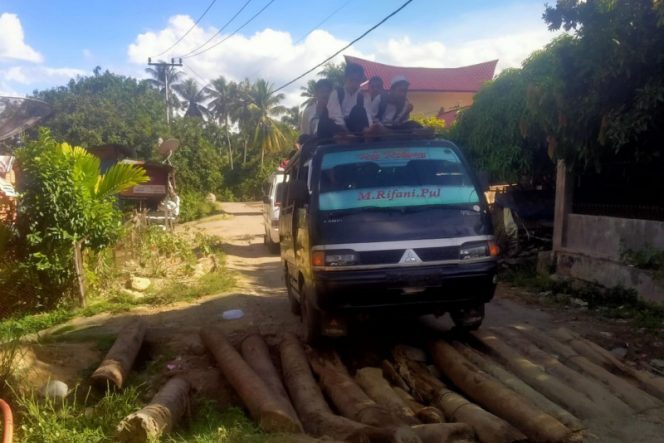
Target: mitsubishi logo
x=410 y=257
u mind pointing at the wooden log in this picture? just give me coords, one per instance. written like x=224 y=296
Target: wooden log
x=520 y=387
x=496 y=398
x=445 y=433
x=637 y=399
x=256 y=353
x=380 y=391
x=604 y=400
x=317 y=417
x=390 y=373
x=426 y=414
x=351 y=401
x=256 y=396
x=539 y=379
x=648 y=382
x=487 y=427
x=121 y=357
x=157 y=418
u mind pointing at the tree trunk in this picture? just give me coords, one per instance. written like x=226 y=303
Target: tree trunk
x=257 y=355
x=604 y=400
x=496 y=398
x=520 y=387
x=244 y=160
x=445 y=433
x=351 y=401
x=487 y=427
x=256 y=396
x=536 y=377
x=159 y=417
x=426 y=414
x=228 y=140
x=380 y=391
x=316 y=415
x=80 y=275
x=595 y=353
x=637 y=399
x=120 y=358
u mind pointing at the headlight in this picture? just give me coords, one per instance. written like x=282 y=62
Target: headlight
x=469 y=251
x=334 y=258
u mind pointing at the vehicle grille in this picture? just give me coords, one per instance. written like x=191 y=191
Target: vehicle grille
x=437 y=254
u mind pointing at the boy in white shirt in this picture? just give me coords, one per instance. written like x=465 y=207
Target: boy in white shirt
x=395 y=110
x=348 y=107
x=318 y=108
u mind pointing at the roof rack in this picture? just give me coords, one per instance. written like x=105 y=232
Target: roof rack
x=310 y=146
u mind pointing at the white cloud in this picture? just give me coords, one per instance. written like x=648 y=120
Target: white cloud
x=31 y=75
x=12 y=44
x=87 y=54
x=271 y=53
x=268 y=53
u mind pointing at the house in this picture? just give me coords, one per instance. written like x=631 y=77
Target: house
x=434 y=92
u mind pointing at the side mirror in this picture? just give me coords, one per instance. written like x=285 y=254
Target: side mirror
x=483 y=178
x=298 y=191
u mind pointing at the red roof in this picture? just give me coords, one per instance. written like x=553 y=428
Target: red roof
x=462 y=79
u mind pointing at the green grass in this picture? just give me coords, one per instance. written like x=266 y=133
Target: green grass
x=210 y=424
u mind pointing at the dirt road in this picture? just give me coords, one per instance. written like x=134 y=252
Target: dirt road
x=261 y=296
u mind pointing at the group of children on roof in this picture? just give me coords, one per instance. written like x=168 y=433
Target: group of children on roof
x=351 y=110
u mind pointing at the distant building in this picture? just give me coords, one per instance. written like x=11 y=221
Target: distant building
x=435 y=92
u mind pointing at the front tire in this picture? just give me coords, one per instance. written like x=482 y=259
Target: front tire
x=312 y=320
x=468 y=319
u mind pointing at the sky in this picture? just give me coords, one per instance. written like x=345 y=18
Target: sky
x=44 y=43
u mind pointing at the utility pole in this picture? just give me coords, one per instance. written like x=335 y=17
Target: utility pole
x=166 y=65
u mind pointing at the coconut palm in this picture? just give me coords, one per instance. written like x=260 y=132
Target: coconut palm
x=241 y=111
x=193 y=98
x=292 y=117
x=164 y=77
x=264 y=106
x=222 y=94
x=308 y=92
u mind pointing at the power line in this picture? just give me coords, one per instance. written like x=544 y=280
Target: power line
x=205 y=81
x=225 y=25
x=329 y=16
x=232 y=34
x=188 y=30
x=392 y=14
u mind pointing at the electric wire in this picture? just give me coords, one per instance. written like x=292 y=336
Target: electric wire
x=392 y=14
x=329 y=16
x=188 y=30
x=224 y=26
x=253 y=17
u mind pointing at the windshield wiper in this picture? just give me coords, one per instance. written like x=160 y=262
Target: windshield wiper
x=458 y=207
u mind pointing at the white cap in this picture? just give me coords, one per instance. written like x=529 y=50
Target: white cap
x=398 y=79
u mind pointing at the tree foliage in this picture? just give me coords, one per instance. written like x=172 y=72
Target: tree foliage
x=106 y=108
x=64 y=200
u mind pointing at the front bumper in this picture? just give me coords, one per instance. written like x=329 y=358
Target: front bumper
x=418 y=289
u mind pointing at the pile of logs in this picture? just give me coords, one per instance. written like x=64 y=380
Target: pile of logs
x=498 y=385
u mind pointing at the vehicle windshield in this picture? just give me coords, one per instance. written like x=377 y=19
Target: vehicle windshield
x=390 y=178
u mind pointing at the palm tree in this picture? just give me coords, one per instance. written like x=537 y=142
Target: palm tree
x=164 y=78
x=222 y=94
x=265 y=105
x=308 y=92
x=292 y=117
x=193 y=98
x=333 y=72
x=241 y=110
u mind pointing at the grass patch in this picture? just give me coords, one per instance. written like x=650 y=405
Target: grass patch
x=210 y=424
x=79 y=418
x=614 y=303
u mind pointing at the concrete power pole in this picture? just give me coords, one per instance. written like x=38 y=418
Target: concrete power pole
x=166 y=65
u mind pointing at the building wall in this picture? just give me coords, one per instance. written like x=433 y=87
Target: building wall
x=429 y=103
x=593 y=247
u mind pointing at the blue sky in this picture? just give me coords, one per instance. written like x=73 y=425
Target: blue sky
x=65 y=38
